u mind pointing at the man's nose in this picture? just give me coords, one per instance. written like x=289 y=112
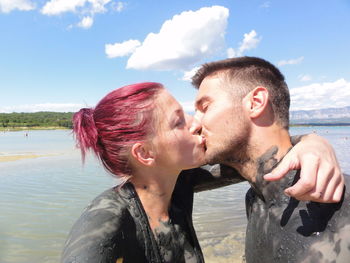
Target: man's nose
x=196 y=126
x=198 y=115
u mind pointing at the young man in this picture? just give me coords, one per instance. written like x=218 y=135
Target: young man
x=243 y=106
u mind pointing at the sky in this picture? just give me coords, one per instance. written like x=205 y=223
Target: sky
x=61 y=55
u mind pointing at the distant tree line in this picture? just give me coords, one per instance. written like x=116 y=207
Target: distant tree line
x=36 y=119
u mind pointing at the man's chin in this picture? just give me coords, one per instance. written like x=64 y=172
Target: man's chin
x=210 y=159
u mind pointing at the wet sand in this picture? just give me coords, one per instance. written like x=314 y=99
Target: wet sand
x=228 y=250
x=12 y=158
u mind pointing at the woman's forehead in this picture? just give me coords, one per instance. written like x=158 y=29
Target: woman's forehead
x=168 y=102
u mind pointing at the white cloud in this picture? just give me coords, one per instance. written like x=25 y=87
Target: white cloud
x=231 y=53
x=121 y=49
x=250 y=41
x=57 y=7
x=291 y=61
x=189 y=74
x=183 y=40
x=83 y=8
x=266 y=4
x=305 y=77
x=86 y=22
x=7 y=6
x=99 y=6
x=67 y=107
x=321 y=95
x=118 y=6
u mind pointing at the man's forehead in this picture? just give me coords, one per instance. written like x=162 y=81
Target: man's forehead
x=209 y=86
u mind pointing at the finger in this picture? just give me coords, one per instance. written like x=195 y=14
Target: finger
x=331 y=193
x=325 y=184
x=314 y=196
x=339 y=186
x=338 y=193
x=328 y=180
x=304 y=198
x=307 y=181
x=282 y=169
x=334 y=183
x=325 y=188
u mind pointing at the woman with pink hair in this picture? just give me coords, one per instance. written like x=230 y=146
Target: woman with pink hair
x=141 y=134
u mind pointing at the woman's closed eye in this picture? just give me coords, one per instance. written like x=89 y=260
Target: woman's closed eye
x=180 y=122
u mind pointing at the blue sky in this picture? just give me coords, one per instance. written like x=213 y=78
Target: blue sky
x=61 y=55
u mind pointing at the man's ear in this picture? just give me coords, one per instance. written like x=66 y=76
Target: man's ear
x=142 y=153
x=256 y=101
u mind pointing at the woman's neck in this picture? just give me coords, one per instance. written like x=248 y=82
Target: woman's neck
x=155 y=192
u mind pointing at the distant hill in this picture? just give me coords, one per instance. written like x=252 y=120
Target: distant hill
x=321 y=116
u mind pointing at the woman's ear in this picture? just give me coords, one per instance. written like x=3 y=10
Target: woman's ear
x=257 y=101
x=143 y=153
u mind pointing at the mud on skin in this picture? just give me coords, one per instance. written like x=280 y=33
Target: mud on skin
x=283 y=229
x=115 y=226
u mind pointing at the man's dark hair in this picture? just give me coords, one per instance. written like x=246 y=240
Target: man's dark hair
x=243 y=74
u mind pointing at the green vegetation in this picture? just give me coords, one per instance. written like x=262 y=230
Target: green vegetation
x=63 y=120
x=36 y=120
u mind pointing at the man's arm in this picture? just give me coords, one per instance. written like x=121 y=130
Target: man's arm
x=209 y=177
x=321 y=179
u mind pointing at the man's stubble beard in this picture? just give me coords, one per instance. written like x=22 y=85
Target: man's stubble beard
x=235 y=151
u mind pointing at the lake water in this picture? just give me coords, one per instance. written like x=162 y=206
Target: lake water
x=41 y=198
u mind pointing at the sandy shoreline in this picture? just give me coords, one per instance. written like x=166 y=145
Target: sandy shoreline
x=12 y=158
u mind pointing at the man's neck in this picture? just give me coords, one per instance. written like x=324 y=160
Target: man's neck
x=267 y=146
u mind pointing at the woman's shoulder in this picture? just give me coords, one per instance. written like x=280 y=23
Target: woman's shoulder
x=106 y=207
x=101 y=221
x=108 y=200
x=110 y=203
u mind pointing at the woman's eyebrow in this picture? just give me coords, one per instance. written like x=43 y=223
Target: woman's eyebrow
x=178 y=111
